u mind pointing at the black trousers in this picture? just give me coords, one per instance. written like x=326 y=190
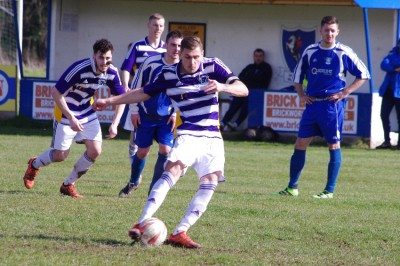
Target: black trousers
x=388 y=102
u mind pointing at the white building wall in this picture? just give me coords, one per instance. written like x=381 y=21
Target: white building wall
x=233 y=30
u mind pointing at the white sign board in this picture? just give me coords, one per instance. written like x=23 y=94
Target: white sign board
x=283 y=111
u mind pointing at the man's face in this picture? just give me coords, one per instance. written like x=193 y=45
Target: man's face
x=156 y=27
x=258 y=58
x=102 y=61
x=191 y=60
x=173 y=48
x=329 y=33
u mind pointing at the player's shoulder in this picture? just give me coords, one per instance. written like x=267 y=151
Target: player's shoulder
x=153 y=59
x=311 y=47
x=345 y=48
x=112 y=69
x=80 y=65
x=212 y=60
x=139 y=42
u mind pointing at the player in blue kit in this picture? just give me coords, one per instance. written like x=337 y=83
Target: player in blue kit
x=324 y=65
x=193 y=85
x=74 y=117
x=157 y=119
x=137 y=54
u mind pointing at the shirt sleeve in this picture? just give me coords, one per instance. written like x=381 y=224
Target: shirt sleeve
x=115 y=86
x=130 y=59
x=222 y=73
x=355 y=66
x=67 y=79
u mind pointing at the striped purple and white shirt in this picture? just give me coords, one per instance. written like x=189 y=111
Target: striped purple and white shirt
x=78 y=85
x=199 y=111
x=138 y=52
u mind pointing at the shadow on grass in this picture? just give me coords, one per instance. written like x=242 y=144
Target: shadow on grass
x=83 y=240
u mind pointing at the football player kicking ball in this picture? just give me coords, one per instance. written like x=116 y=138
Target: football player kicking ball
x=193 y=85
x=324 y=65
x=74 y=118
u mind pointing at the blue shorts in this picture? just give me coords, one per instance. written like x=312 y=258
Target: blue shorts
x=154 y=128
x=323 y=118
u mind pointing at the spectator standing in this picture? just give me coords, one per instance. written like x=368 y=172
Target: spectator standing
x=390 y=93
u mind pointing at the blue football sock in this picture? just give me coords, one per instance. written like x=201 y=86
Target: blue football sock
x=136 y=169
x=333 y=169
x=296 y=165
x=158 y=169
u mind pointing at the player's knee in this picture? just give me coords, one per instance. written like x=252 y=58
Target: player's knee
x=210 y=178
x=164 y=149
x=175 y=168
x=93 y=153
x=59 y=156
x=141 y=153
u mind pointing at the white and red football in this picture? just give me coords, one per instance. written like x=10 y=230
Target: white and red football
x=154 y=232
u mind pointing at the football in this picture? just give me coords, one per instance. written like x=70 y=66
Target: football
x=154 y=232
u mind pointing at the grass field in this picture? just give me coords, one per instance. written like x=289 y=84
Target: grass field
x=246 y=222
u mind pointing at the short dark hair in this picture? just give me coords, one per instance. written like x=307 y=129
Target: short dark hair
x=259 y=50
x=174 y=34
x=329 y=20
x=103 y=45
x=191 y=43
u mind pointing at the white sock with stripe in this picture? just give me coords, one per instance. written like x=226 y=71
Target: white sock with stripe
x=44 y=159
x=157 y=195
x=80 y=168
x=197 y=206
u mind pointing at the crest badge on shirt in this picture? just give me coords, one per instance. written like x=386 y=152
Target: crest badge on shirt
x=294 y=42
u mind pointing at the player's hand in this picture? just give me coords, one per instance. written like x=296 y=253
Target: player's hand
x=338 y=96
x=213 y=86
x=112 y=131
x=172 y=120
x=135 y=118
x=75 y=124
x=99 y=104
x=307 y=99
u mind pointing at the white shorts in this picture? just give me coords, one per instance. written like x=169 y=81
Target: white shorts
x=128 y=122
x=63 y=135
x=205 y=155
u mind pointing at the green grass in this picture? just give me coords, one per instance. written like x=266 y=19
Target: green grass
x=246 y=222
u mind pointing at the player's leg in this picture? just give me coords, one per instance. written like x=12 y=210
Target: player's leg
x=209 y=166
x=157 y=195
x=173 y=171
x=307 y=130
x=93 y=140
x=332 y=132
x=144 y=140
x=58 y=151
x=132 y=148
x=165 y=139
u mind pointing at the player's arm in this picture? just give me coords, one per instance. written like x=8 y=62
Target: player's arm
x=113 y=129
x=125 y=76
x=236 y=88
x=357 y=83
x=133 y=96
x=62 y=104
x=300 y=92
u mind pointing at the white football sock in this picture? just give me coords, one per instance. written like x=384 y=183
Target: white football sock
x=44 y=159
x=157 y=195
x=197 y=206
x=80 y=168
